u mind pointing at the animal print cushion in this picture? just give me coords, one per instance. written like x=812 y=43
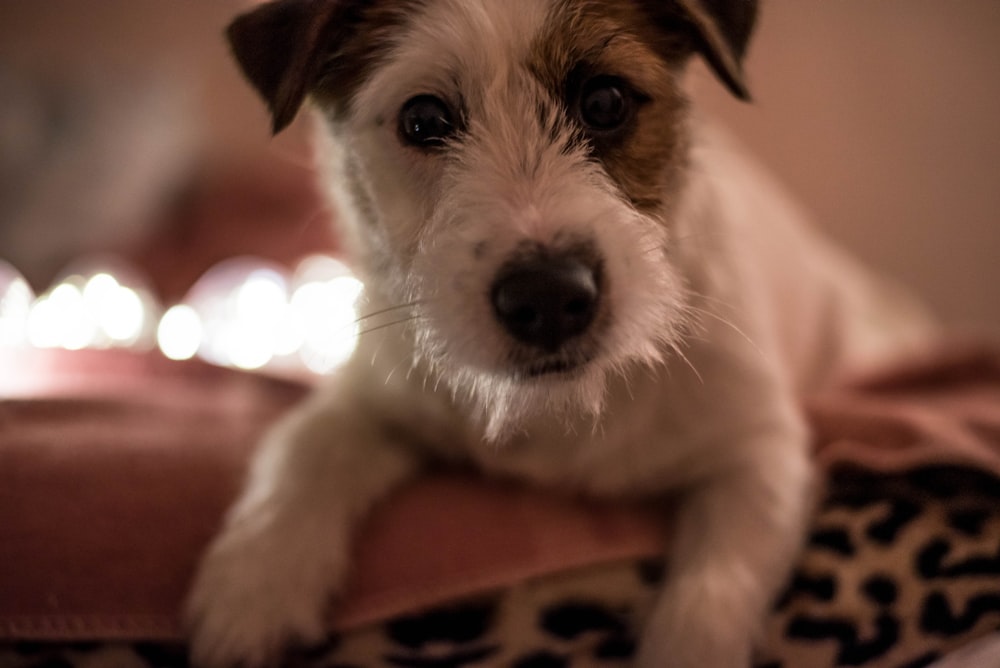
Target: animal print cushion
x=898 y=571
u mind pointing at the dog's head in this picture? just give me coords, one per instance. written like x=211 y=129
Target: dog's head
x=510 y=167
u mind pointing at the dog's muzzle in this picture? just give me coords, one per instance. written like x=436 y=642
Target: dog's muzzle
x=545 y=300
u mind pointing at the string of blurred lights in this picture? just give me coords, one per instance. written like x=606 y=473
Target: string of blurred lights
x=245 y=312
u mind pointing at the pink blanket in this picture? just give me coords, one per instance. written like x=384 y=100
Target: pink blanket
x=115 y=469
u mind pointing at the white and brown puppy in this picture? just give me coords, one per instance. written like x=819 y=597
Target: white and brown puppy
x=599 y=296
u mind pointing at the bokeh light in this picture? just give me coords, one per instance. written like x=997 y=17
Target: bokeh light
x=324 y=305
x=118 y=309
x=61 y=319
x=179 y=333
x=240 y=303
x=96 y=303
x=16 y=298
x=244 y=312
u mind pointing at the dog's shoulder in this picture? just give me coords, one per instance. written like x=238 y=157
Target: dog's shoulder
x=771 y=270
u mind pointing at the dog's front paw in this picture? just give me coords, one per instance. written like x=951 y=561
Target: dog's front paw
x=698 y=624
x=252 y=597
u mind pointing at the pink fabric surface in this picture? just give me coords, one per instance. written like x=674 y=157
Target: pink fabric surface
x=941 y=407
x=115 y=470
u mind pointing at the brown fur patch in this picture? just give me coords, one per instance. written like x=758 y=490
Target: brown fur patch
x=584 y=36
x=618 y=38
x=366 y=31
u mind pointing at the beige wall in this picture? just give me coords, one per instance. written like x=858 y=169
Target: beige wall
x=883 y=116
x=180 y=40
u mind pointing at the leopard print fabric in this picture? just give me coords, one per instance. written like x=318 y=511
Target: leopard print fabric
x=898 y=572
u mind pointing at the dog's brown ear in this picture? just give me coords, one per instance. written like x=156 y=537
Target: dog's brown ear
x=278 y=45
x=723 y=29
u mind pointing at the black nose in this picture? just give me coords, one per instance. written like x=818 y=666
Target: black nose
x=546 y=301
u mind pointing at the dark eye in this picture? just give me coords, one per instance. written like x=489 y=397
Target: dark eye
x=426 y=121
x=606 y=103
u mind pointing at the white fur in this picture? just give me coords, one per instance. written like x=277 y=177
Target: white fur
x=719 y=312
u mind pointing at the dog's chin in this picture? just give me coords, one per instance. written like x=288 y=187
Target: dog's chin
x=553 y=368
x=511 y=400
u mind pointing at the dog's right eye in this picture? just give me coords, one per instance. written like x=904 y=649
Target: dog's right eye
x=607 y=104
x=426 y=122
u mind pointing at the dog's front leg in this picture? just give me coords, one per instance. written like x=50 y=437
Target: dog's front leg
x=266 y=579
x=736 y=538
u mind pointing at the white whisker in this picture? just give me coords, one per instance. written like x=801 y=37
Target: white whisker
x=730 y=324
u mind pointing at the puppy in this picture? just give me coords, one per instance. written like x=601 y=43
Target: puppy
x=584 y=288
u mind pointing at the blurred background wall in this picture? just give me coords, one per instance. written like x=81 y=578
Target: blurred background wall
x=883 y=117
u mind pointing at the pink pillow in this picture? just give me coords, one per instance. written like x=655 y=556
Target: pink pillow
x=116 y=468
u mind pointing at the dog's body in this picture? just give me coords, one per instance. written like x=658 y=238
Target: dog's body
x=599 y=295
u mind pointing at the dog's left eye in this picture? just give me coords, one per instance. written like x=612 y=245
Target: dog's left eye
x=426 y=121
x=606 y=103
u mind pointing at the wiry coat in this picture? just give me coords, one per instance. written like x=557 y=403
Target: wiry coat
x=710 y=305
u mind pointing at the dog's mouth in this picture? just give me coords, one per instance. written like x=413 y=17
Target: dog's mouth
x=561 y=366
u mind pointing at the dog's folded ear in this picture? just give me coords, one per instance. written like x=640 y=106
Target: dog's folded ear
x=722 y=29
x=277 y=46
